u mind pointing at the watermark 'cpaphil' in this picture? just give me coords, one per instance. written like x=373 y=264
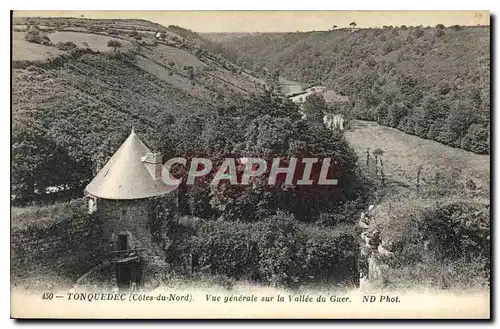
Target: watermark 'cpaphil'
x=241 y=171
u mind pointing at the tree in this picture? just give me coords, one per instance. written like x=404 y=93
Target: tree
x=353 y=24
x=40 y=161
x=418 y=33
x=315 y=108
x=378 y=157
x=34 y=36
x=66 y=46
x=439 y=33
x=115 y=44
x=419 y=172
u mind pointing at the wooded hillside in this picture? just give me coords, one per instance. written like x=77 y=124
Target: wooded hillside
x=79 y=86
x=429 y=82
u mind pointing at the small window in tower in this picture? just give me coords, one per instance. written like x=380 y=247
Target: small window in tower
x=123 y=242
x=124 y=212
x=92 y=203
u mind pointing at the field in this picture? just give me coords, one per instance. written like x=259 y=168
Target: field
x=23 y=50
x=290 y=87
x=404 y=153
x=94 y=41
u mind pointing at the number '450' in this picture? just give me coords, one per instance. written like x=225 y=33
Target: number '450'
x=47 y=295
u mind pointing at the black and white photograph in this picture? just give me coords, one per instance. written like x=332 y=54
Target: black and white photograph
x=250 y=164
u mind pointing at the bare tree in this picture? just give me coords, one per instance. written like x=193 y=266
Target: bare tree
x=419 y=172
x=377 y=153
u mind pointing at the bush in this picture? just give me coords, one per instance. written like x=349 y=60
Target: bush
x=226 y=248
x=278 y=251
x=114 y=44
x=457 y=231
x=66 y=46
x=281 y=250
x=34 y=36
x=440 y=245
x=439 y=33
x=418 y=33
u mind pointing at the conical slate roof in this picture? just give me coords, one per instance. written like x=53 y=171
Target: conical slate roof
x=125 y=176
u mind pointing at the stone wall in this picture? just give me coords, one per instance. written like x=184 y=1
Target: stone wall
x=67 y=248
x=70 y=246
x=124 y=217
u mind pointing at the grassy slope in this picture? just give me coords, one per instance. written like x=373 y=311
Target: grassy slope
x=402 y=156
x=94 y=41
x=90 y=103
x=399 y=204
x=23 y=50
x=214 y=75
x=404 y=153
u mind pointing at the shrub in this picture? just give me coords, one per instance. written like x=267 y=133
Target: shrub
x=66 y=46
x=458 y=230
x=278 y=251
x=281 y=250
x=115 y=44
x=439 y=33
x=34 y=36
x=225 y=248
x=444 y=245
x=418 y=33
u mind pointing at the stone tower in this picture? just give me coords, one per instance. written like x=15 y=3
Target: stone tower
x=124 y=199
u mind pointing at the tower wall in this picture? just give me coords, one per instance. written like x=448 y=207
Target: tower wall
x=131 y=217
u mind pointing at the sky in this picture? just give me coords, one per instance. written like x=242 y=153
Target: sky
x=281 y=21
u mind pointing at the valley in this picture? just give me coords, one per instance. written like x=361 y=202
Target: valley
x=415 y=146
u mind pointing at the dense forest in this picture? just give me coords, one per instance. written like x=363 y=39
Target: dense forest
x=430 y=82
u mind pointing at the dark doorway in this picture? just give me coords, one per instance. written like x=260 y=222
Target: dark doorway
x=128 y=273
x=123 y=275
x=123 y=242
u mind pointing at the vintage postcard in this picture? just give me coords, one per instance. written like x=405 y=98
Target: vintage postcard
x=250 y=164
